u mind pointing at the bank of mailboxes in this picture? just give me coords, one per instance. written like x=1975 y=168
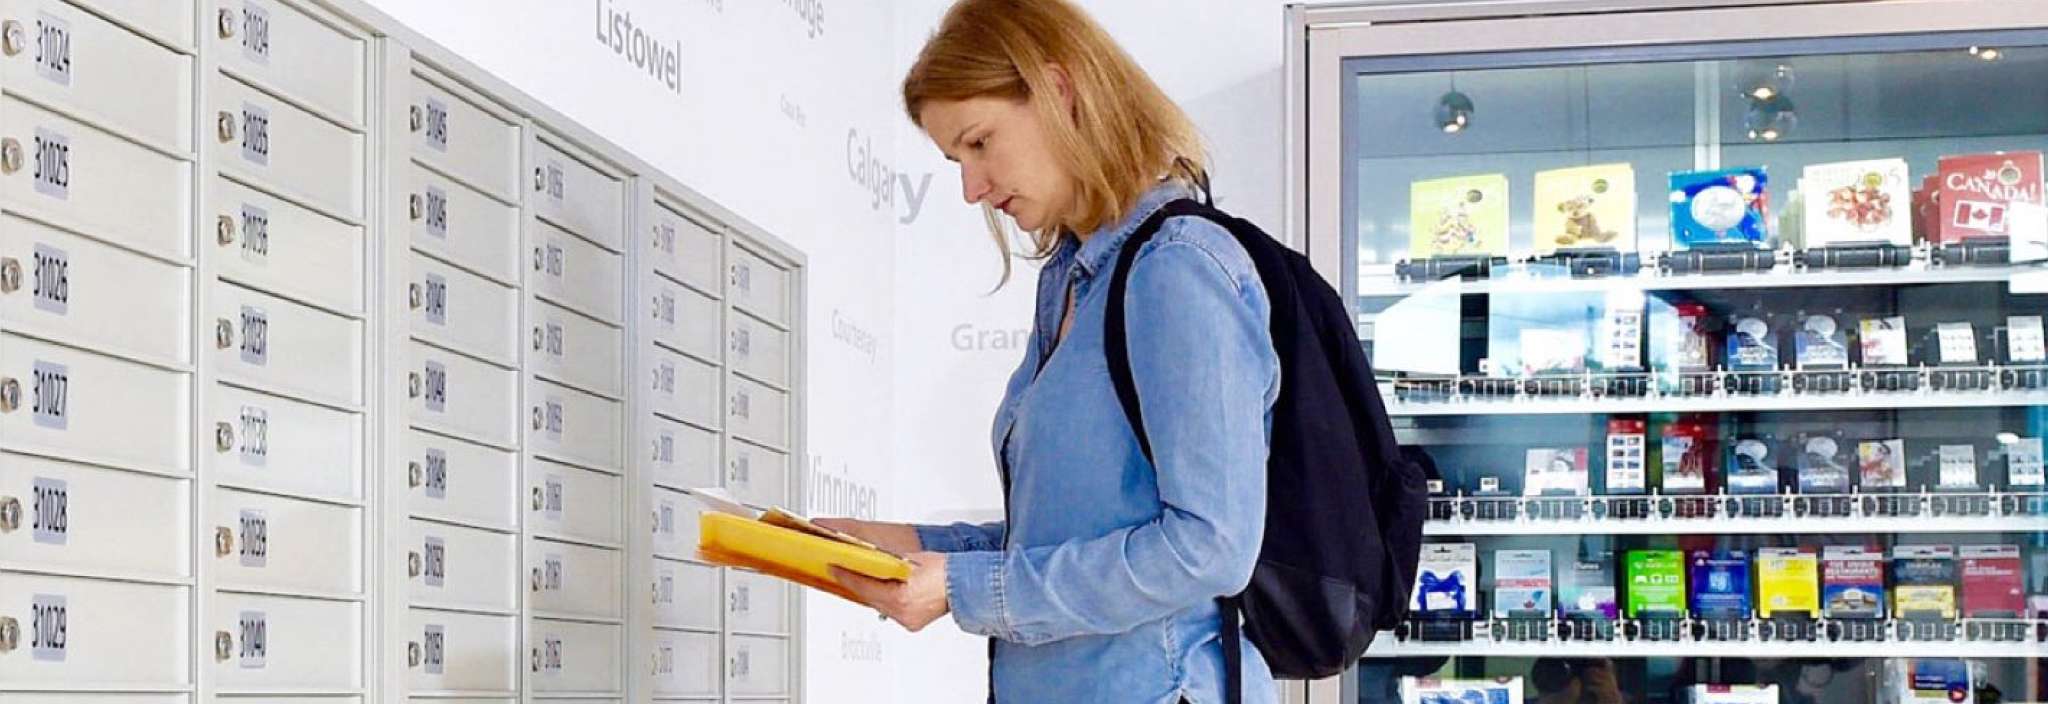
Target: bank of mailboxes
x=376 y=351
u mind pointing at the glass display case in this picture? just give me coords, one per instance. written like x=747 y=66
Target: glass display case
x=1719 y=327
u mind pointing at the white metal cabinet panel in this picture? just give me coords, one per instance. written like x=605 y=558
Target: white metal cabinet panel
x=89 y=181
x=757 y=665
x=62 y=287
x=569 y=656
x=756 y=603
x=757 y=475
x=681 y=456
x=685 y=595
x=572 y=349
x=673 y=518
x=266 y=543
x=279 y=246
x=273 y=344
x=757 y=349
x=100 y=72
x=684 y=250
x=578 y=197
x=283 y=48
x=112 y=633
x=103 y=410
x=269 y=643
x=576 y=274
x=572 y=426
x=757 y=286
x=461 y=311
x=456 y=652
x=681 y=388
x=69 y=698
x=452 y=394
x=572 y=581
x=680 y=318
x=461 y=568
x=756 y=412
x=459 y=138
x=274 y=444
x=686 y=664
x=81 y=517
x=167 y=22
x=460 y=481
x=276 y=146
x=573 y=503
x=457 y=224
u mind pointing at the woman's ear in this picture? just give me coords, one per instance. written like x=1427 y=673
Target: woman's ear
x=1065 y=85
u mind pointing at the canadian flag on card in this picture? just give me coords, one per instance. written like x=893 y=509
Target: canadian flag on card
x=1979 y=193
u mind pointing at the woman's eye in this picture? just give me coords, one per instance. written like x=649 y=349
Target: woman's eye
x=978 y=143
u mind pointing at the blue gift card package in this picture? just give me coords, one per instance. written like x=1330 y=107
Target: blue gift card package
x=1719 y=207
x=1720 y=584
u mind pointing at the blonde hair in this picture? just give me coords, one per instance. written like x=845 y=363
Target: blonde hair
x=1122 y=136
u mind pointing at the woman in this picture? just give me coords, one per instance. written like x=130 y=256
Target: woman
x=1101 y=584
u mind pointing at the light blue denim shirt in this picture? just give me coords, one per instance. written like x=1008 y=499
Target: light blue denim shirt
x=1105 y=589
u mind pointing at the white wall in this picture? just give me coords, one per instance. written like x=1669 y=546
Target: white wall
x=788 y=115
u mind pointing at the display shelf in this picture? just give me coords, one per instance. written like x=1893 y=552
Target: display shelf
x=1386 y=646
x=1738 y=525
x=1720 y=403
x=1383 y=284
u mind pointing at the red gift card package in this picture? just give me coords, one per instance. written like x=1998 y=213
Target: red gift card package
x=1978 y=190
x=1991 y=581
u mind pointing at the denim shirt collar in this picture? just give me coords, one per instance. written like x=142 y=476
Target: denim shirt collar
x=1095 y=253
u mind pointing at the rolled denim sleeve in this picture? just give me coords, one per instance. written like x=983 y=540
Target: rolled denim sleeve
x=961 y=537
x=1203 y=363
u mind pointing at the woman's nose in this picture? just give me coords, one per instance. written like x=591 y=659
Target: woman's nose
x=973 y=186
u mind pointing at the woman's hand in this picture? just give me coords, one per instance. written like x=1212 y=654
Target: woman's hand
x=898 y=538
x=915 y=602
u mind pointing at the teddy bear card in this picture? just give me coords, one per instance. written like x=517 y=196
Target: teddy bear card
x=1460 y=216
x=1857 y=202
x=1586 y=207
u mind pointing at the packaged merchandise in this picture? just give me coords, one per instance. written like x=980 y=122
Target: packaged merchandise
x=1430 y=690
x=1720 y=584
x=1787 y=582
x=1752 y=468
x=1958 y=343
x=1821 y=466
x=1626 y=456
x=2023 y=340
x=1521 y=583
x=1548 y=350
x=1686 y=453
x=1656 y=582
x=1733 y=694
x=1586 y=207
x=1927 y=209
x=1857 y=202
x=1555 y=471
x=1958 y=467
x=1883 y=341
x=1752 y=347
x=1852 y=582
x=1681 y=342
x=1924 y=580
x=2037 y=583
x=1881 y=464
x=1587 y=589
x=2023 y=469
x=1820 y=343
x=1978 y=192
x=1992 y=587
x=1926 y=681
x=1720 y=207
x=1460 y=216
x=1444 y=581
x=1540 y=335
x=1621 y=332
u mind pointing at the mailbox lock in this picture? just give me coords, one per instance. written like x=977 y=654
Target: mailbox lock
x=10 y=395
x=10 y=275
x=10 y=514
x=418 y=119
x=538 y=338
x=223 y=333
x=540 y=179
x=414 y=296
x=10 y=155
x=227 y=23
x=13 y=38
x=415 y=207
x=413 y=474
x=412 y=384
x=536 y=418
x=224 y=123
x=224 y=230
x=412 y=654
x=223 y=645
x=538 y=503
x=10 y=633
x=536 y=659
x=412 y=564
x=536 y=579
x=223 y=437
x=223 y=541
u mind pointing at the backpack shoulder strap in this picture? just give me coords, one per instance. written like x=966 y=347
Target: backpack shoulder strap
x=1116 y=346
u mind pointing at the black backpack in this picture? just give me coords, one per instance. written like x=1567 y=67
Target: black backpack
x=1344 y=507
